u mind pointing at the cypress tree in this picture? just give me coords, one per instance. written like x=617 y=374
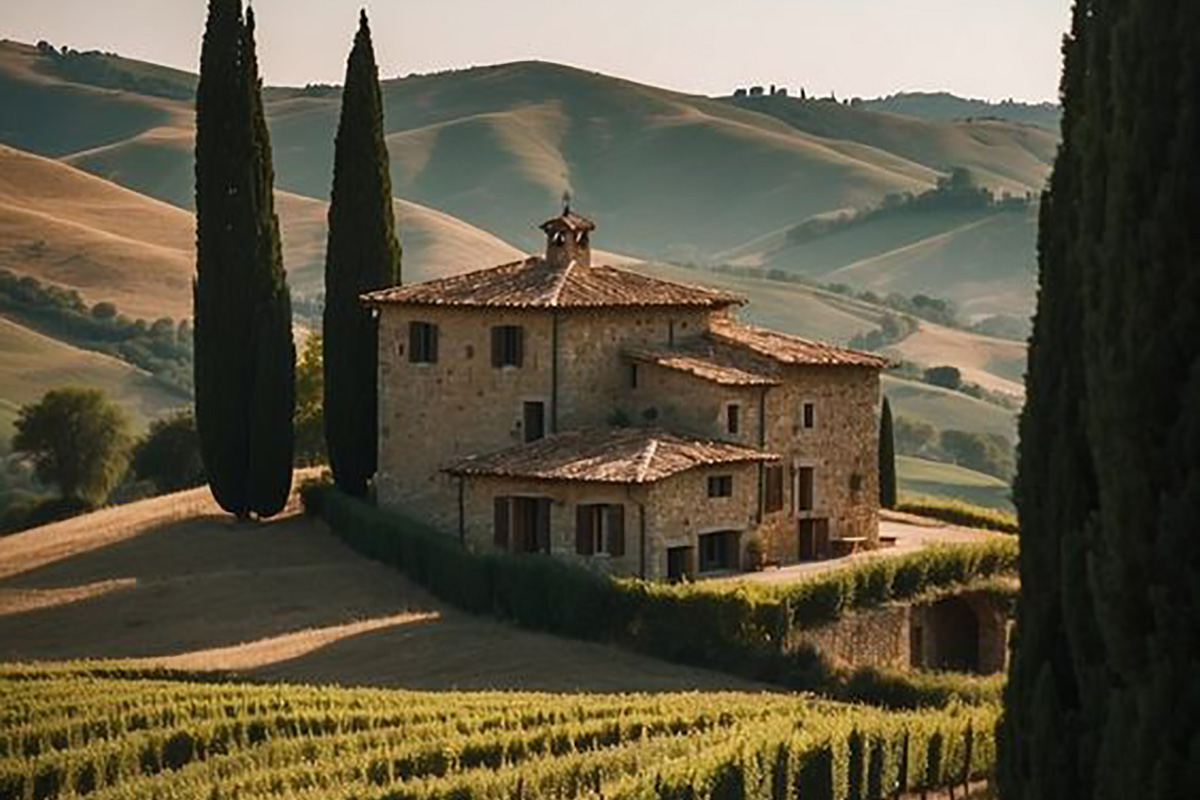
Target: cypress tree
x=243 y=353
x=1103 y=699
x=887 y=458
x=363 y=254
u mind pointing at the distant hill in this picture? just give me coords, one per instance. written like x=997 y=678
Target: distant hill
x=943 y=106
x=67 y=227
x=663 y=173
x=96 y=194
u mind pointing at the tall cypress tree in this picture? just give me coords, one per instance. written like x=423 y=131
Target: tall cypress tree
x=1103 y=700
x=363 y=254
x=887 y=458
x=244 y=356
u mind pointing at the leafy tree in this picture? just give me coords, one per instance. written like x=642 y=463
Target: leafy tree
x=310 y=394
x=363 y=254
x=244 y=356
x=169 y=455
x=987 y=453
x=946 y=377
x=887 y=458
x=913 y=437
x=78 y=440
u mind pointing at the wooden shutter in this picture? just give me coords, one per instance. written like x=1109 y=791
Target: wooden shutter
x=542 y=523
x=518 y=345
x=432 y=333
x=807 y=479
x=497 y=347
x=616 y=530
x=414 y=342
x=774 y=499
x=501 y=522
x=585 y=534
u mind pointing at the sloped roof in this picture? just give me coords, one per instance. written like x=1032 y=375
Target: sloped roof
x=624 y=455
x=713 y=361
x=534 y=283
x=570 y=221
x=786 y=349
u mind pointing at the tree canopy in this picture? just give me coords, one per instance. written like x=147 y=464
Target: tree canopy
x=78 y=440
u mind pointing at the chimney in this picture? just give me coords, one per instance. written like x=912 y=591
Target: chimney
x=568 y=238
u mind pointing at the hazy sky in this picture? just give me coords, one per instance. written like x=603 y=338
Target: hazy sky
x=980 y=48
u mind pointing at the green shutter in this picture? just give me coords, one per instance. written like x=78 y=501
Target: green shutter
x=584 y=531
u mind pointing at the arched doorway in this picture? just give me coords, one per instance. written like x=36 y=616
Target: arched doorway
x=949 y=638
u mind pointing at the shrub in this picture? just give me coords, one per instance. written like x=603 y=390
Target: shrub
x=739 y=628
x=957 y=512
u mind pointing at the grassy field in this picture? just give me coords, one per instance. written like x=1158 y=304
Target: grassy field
x=921 y=477
x=32 y=364
x=172 y=581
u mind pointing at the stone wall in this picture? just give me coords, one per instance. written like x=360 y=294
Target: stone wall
x=677 y=512
x=433 y=414
x=965 y=633
x=593 y=378
x=842 y=446
x=876 y=638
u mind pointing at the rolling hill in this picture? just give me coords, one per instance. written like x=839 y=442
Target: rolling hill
x=32 y=364
x=661 y=172
x=918 y=476
x=65 y=226
x=96 y=194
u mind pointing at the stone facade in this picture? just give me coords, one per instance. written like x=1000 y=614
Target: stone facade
x=575 y=373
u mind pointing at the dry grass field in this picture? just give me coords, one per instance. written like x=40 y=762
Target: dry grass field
x=175 y=582
x=32 y=364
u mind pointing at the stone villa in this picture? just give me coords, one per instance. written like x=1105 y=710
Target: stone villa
x=600 y=415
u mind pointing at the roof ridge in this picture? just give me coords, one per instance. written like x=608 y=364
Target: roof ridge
x=560 y=284
x=647 y=459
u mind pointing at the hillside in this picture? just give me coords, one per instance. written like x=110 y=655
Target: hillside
x=64 y=226
x=662 y=172
x=921 y=477
x=31 y=364
x=130 y=582
x=945 y=106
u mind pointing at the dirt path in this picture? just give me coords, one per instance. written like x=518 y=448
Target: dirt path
x=173 y=581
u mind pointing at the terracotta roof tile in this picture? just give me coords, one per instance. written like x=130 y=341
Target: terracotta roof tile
x=532 y=283
x=785 y=349
x=713 y=361
x=625 y=455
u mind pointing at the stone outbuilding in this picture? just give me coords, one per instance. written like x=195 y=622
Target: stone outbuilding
x=628 y=423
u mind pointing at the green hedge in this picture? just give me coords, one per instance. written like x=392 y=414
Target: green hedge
x=957 y=512
x=734 y=627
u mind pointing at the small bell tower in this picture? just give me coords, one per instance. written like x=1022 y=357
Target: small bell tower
x=568 y=237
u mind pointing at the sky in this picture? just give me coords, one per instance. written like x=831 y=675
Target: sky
x=993 y=49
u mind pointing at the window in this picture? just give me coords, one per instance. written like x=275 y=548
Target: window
x=422 y=342
x=600 y=528
x=535 y=421
x=773 y=490
x=733 y=418
x=719 y=551
x=522 y=524
x=508 y=345
x=808 y=416
x=805 y=489
x=633 y=376
x=720 y=486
